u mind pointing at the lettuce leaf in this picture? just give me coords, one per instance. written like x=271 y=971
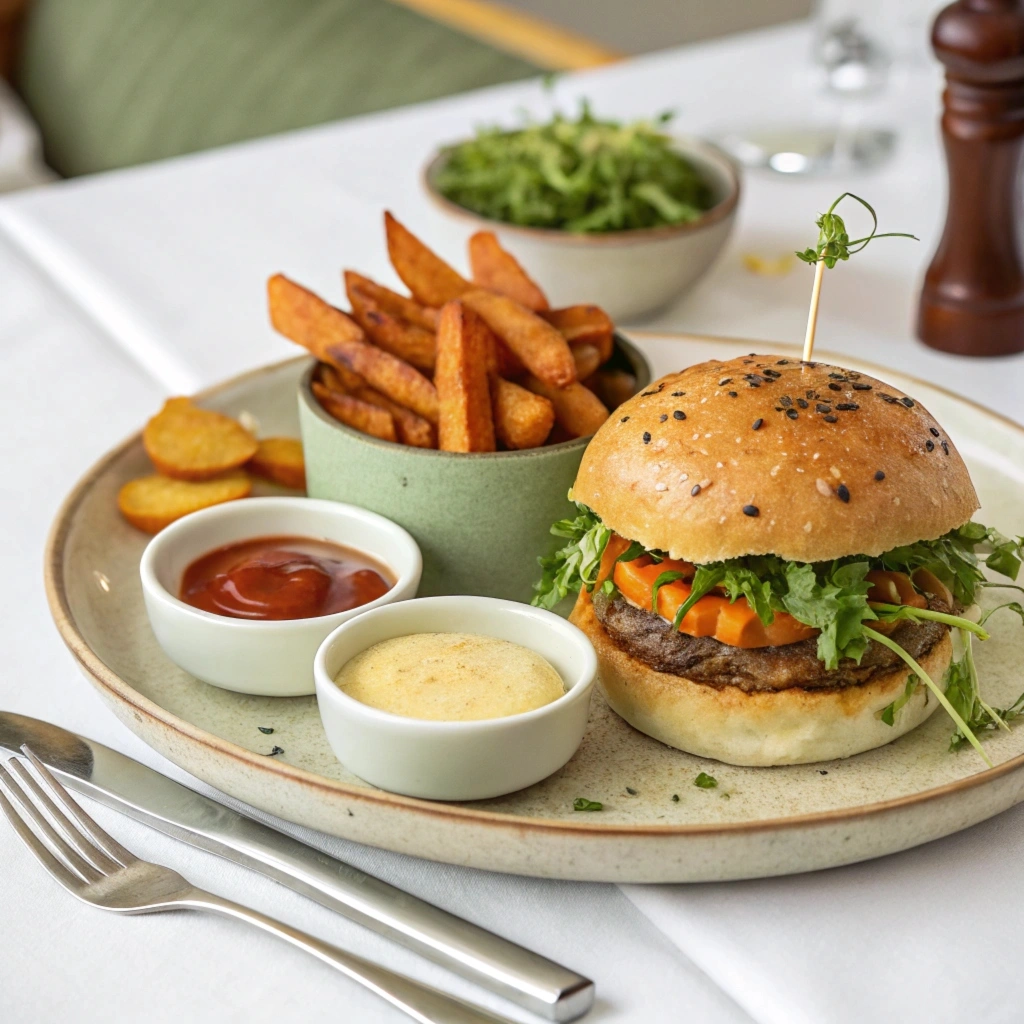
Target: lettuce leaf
x=574 y=565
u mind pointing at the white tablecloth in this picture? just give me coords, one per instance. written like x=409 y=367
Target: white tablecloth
x=124 y=287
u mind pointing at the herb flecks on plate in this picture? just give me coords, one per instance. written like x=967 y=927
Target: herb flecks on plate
x=581 y=175
x=705 y=781
x=581 y=803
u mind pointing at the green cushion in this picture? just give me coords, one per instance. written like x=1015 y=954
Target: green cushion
x=120 y=82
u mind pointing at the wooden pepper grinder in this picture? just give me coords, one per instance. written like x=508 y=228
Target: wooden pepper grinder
x=972 y=302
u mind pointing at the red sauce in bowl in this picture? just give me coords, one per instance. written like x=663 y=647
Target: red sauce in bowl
x=282 y=578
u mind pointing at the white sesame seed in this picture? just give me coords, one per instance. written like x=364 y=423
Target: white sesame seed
x=695 y=436
x=816 y=455
x=823 y=488
x=721 y=519
x=798 y=469
x=775 y=470
x=703 y=451
x=807 y=527
x=683 y=477
x=719 y=465
x=707 y=435
x=733 y=462
x=661 y=487
x=895 y=501
x=705 y=483
x=771 y=522
x=737 y=440
x=703 y=400
x=835 y=472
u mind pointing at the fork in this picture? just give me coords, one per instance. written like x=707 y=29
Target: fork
x=96 y=868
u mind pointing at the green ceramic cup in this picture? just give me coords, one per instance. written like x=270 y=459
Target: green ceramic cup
x=481 y=520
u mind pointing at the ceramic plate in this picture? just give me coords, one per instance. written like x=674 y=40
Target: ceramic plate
x=758 y=822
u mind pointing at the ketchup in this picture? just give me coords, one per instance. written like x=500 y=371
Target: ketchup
x=282 y=578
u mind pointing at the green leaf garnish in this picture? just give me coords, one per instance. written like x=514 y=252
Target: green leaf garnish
x=705 y=781
x=580 y=174
x=834 y=242
x=888 y=713
x=581 y=803
x=577 y=563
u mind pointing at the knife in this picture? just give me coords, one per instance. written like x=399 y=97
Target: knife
x=126 y=785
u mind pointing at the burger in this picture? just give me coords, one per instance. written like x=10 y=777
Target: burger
x=773 y=559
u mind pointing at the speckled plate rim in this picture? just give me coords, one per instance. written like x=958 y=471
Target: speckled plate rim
x=120 y=691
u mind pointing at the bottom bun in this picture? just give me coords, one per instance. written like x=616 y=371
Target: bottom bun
x=764 y=727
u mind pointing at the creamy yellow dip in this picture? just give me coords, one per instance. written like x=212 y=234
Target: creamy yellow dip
x=450 y=677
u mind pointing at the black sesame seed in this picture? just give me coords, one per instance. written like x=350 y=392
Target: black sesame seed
x=679 y=414
x=821 y=407
x=733 y=394
x=835 y=387
x=822 y=771
x=929 y=445
x=772 y=373
x=782 y=362
x=811 y=393
x=644 y=394
x=753 y=355
x=724 y=381
x=843 y=493
x=678 y=394
x=831 y=419
x=945 y=447
x=755 y=384
x=756 y=425
x=631 y=791
x=695 y=490
x=751 y=510
x=624 y=418
x=886 y=398
x=786 y=402
x=861 y=387
x=802 y=402
x=663 y=417
x=792 y=413
x=837 y=376
x=647 y=437
x=908 y=402
x=778 y=408
x=276 y=751
x=934 y=432
x=847 y=406
x=879 y=475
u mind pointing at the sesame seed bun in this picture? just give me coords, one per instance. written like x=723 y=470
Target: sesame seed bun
x=768 y=455
x=774 y=727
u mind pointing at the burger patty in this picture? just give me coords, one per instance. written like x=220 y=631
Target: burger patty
x=648 y=638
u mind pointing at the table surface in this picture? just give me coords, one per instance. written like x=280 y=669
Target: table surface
x=125 y=287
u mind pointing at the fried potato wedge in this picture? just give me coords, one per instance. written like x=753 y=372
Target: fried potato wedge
x=464 y=348
x=339 y=378
x=584 y=325
x=335 y=338
x=613 y=387
x=152 y=502
x=399 y=337
x=189 y=443
x=402 y=306
x=587 y=359
x=431 y=281
x=577 y=409
x=355 y=413
x=280 y=460
x=497 y=270
x=521 y=418
x=412 y=429
x=539 y=346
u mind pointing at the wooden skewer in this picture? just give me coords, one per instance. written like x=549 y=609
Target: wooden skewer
x=812 y=315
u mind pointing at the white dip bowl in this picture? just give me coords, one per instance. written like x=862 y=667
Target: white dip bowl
x=268 y=658
x=457 y=760
x=630 y=274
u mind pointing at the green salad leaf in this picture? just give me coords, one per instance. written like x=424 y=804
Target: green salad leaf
x=889 y=712
x=580 y=174
x=575 y=564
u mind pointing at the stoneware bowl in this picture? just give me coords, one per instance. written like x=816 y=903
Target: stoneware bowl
x=481 y=520
x=271 y=659
x=457 y=760
x=631 y=274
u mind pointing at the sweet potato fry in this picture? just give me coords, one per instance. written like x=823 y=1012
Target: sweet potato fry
x=497 y=270
x=399 y=337
x=425 y=274
x=613 y=387
x=411 y=429
x=391 y=302
x=339 y=378
x=280 y=460
x=189 y=443
x=152 y=502
x=543 y=351
x=465 y=423
x=355 y=413
x=335 y=338
x=584 y=325
x=577 y=409
x=521 y=418
x=587 y=359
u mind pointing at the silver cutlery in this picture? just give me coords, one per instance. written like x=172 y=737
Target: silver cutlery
x=118 y=781
x=93 y=866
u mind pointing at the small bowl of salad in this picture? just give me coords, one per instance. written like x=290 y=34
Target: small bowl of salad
x=626 y=211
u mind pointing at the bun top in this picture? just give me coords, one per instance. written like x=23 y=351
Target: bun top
x=769 y=455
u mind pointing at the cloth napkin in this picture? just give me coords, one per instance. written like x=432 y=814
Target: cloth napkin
x=932 y=934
